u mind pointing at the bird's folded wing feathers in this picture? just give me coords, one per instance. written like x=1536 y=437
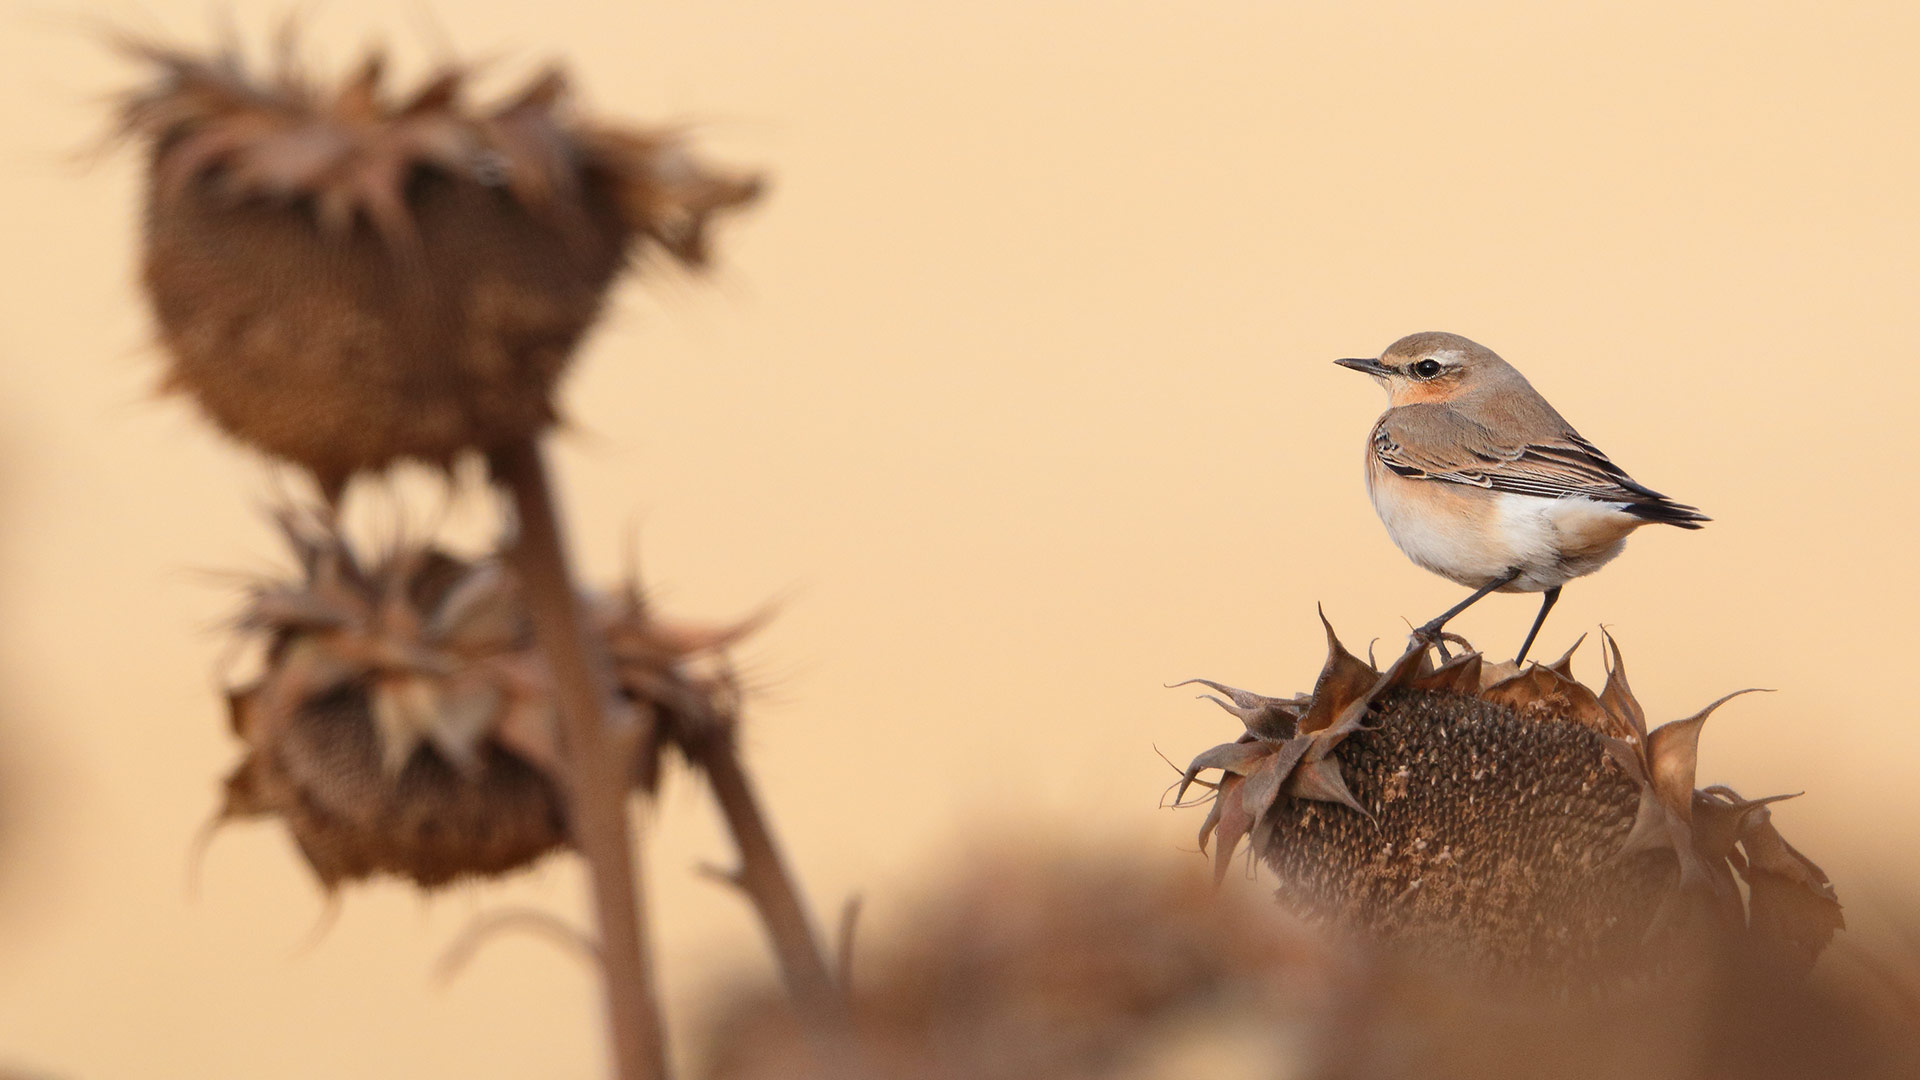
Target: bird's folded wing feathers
x=1426 y=443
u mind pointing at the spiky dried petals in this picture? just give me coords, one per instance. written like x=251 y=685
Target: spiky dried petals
x=665 y=194
x=1291 y=744
x=1543 y=692
x=1461 y=675
x=1790 y=900
x=1344 y=679
x=1616 y=697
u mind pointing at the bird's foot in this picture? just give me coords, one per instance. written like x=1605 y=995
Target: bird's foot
x=1433 y=636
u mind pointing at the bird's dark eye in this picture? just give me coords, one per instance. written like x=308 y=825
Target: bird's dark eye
x=1426 y=369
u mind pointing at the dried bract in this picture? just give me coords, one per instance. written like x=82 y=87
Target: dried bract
x=404 y=722
x=1510 y=818
x=343 y=277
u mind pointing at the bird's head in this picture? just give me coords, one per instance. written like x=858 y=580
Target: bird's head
x=1434 y=366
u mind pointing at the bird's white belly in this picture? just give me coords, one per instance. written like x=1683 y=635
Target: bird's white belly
x=1473 y=536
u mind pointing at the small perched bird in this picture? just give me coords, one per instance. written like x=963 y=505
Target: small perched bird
x=1479 y=480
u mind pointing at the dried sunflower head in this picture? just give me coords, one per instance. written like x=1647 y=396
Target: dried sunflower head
x=1512 y=818
x=403 y=722
x=343 y=277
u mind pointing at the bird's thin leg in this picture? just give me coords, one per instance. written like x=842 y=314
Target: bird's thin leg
x=1546 y=605
x=1431 y=631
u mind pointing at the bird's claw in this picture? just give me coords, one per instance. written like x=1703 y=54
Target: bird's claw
x=1432 y=635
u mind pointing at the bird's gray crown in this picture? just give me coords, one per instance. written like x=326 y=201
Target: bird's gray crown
x=1441 y=346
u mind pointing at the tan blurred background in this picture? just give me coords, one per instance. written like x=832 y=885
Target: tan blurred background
x=1018 y=390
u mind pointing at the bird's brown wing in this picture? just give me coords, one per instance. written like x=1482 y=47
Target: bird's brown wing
x=1428 y=442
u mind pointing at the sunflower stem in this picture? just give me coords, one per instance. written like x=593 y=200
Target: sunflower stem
x=764 y=878
x=599 y=777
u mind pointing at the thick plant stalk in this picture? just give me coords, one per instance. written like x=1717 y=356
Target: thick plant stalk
x=599 y=773
x=764 y=877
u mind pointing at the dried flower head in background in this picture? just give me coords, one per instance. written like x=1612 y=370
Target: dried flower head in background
x=1509 y=818
x=343 y=278
x=404 y=722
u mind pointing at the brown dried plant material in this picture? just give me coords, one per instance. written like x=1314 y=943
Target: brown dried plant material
x=344 y=277
x=404 y=722
x=1509 y=817
x=1053 y=964
x=1043 y=965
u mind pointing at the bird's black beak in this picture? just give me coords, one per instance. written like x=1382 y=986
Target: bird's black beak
x=1368 y=366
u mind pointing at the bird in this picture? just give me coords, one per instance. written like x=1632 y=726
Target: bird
x=1478 y=479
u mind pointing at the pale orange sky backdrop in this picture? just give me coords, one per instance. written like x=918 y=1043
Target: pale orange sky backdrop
x=1018 y=389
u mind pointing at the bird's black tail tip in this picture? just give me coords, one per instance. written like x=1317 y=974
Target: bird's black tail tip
x=1669 y=513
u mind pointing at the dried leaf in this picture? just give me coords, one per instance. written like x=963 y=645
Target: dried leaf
x=1238 y=758
x=1721 y=817
x=241 y=796
x=1320 y=780
x=1716 y=825
x=358 y=101
x=1791 y=903
x=1461 y=675
x=1497 y=673
x=533 y=145
x=468 y=713
x=1266 y=717
x=440 y=93
x=1522 y=691
x=1229 y=828
x=1262 y=788
x=1563 y=667
x=1652 y=829
x=1581 y=706
x=1401 y=674
x=240 y=709
x=306 y=668
x=1344 y=679
x=1617 y=697
x=1767 y=851
x=528 y=727
x=1673 y=755
x=682 y=639
x=1541 y=692
x=405 y=709
x=1212 y=820
x=481 y=614
x=292 y=607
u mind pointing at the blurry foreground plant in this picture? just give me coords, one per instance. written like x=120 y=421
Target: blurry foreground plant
x=1052 y=965
x=345 y=279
